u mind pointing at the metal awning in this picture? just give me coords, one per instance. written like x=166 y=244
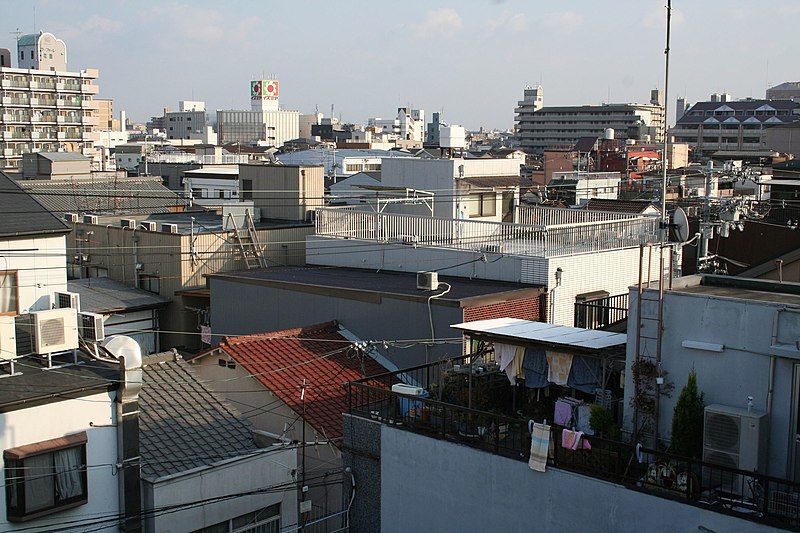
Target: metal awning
x=526 y=331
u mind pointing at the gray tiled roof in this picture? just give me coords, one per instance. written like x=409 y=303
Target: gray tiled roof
x=21 y=214
x=183 y=425
x=103 y=195
x=104 y=295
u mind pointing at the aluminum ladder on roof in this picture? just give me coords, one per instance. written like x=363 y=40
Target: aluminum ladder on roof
x=251 y=249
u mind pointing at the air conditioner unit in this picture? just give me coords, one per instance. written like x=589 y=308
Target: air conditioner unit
x=90 y=219
x=91 y=327
x=128 y=223
x=169 y=228
x=411 y=390
x=427 y=281
x=148 y=225
x=492 y=248
x=65 y=300
x=71 y=217
x=8 y=338
x=55 y=330
x=735 y=438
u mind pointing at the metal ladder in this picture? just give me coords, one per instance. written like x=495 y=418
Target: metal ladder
x=649 y=333
x=249 y=245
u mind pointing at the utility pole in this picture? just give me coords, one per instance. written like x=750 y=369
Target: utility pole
x=664 y=217
x=301 y=492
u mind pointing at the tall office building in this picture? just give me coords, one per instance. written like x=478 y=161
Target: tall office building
x=43 y=107
x=265 y=123
x=532 y=101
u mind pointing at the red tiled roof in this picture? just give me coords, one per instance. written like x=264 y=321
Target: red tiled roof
x=280 y=360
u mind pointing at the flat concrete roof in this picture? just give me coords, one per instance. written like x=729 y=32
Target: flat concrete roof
x=349 y=282
x=740 y=288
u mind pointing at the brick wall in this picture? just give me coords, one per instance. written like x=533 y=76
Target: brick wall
x=524 y=308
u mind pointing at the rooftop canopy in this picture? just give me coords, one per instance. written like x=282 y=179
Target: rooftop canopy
x=518 y=331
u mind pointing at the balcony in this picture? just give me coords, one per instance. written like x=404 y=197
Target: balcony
x=68 y=103
x=494 y=428
x=89 y=88
x=14 y=101
x=43 y=119
x=541 y=240
x=601 y=313
x=68 y=87
x=43 y=86
x=12 y=118
x=88 y=104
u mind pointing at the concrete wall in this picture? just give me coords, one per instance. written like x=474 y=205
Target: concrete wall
x=433 y=485
x=141 y=326
x=40 y=273
x=284 y=192
x=241 y=308
x=742 y=369
x=57 y=419
x=268 y=468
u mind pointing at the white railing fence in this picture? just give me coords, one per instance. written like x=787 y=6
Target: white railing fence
x=496 y=237
x=536 y=215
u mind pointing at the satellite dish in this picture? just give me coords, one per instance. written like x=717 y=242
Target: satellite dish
x=681 y=224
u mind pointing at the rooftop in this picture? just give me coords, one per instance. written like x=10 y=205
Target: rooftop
x=740 y=288
x=38 y=385
x=318 y=355
x=106 y=296
x=618 y=206
x=21 y=214
x=183 y=425
x=64 y=156
x=214 y=171
x=386 y=283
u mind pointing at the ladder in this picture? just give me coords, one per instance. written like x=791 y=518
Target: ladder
x=249 y=245
x=649 y=334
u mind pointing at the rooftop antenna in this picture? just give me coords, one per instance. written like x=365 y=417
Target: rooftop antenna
x=16 y=35
x=664 y=218
x=34 y=18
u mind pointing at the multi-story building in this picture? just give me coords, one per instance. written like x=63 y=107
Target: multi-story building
x=264 y=123
x=408 y=124
x=550 y=127
x=188 y=123
x=532 y=101
x=43 y=107
x=724 y=125
x=105 y=115
x=788 y=90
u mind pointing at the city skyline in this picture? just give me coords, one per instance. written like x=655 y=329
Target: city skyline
x=424 y=56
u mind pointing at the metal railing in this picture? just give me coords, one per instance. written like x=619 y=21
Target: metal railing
x=741 y=493
x=224 y=159
x=351 y=222
x=602 y=312
x=536 y=215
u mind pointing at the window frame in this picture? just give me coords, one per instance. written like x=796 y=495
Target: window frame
x=15 y=273
x=479 y=199
x=14 y=467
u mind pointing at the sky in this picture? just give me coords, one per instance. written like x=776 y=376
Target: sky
x=470 y=58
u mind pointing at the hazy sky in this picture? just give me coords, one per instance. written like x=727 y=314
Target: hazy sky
x=471 y=58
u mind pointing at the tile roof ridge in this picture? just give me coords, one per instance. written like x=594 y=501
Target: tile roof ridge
x=297 y=332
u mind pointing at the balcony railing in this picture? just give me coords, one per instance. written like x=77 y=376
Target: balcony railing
x=744 y=494
x=554 y=216
x=224 y=159
x=602 y=312
x=496 y=237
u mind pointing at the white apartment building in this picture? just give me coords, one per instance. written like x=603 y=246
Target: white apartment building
x=562 y=126
x=408 y=124
x=532 y=101
x=44 y=109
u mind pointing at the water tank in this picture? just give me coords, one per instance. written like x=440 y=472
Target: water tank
x=608 y=134
x=452 y=137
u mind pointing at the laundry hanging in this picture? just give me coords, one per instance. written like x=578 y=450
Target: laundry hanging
x=586 y=374
x=558 y=366
x=540 y=446
x=534 y=366
x=574 y=440
x=505 y=354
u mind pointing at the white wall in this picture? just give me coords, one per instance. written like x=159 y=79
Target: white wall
x=267 y=468
x=41 y=266
x=57 y=419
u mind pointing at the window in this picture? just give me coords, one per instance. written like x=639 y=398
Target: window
x=482 y=205
x=247 y=189
x=266 y=520
x=150 y=283
x=350 y=167
x=8 y=293
x=31 y=54
x=45 y=477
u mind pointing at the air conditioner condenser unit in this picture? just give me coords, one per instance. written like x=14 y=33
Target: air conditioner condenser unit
x=427 y=281
x=91 y=327
x=55 y=330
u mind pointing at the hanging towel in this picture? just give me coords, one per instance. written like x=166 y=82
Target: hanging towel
x=586 y=374
x=519 y=355
x=559 y=365
x=584 y=414
x=563 y=413
x=540 y=445
x=574 y=440
x=534 y=366
x=505 y=354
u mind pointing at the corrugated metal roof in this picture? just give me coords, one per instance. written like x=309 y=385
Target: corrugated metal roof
x=64 y=156
x=494 y=181
x=103 y=194
x=104 y=295
x=183 y=425
x=528 y=331
x=21 y=214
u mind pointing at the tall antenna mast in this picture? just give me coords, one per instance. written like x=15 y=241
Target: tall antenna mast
x=664 y=217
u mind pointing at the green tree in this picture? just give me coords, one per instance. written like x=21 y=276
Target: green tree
x=687 y=420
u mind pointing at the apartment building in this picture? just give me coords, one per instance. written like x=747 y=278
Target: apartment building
x=532 y=101
x=265 y=123
x=44 y=107
x=560 y=126
x=722 y=125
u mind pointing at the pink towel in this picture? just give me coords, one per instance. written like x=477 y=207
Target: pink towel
x=572 y=440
